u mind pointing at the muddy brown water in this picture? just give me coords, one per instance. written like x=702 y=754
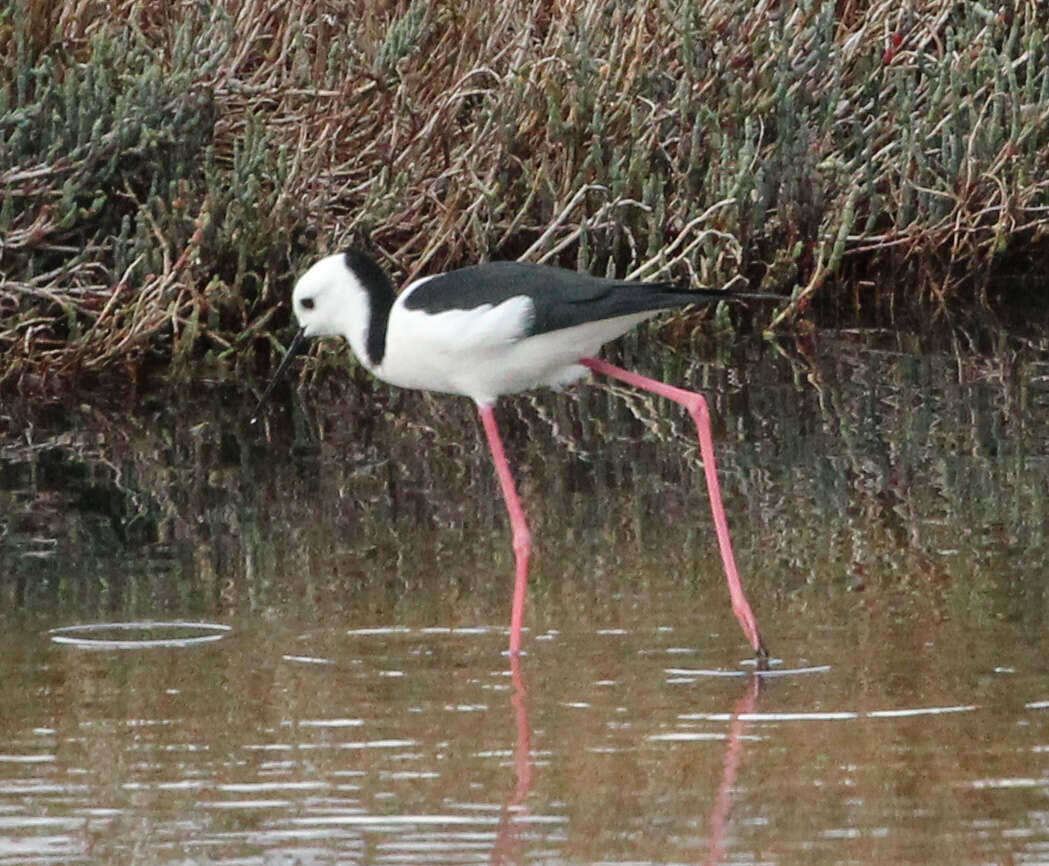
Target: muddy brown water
x=354 y=704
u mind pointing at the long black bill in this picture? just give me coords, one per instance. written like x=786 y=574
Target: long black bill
x=296 y=346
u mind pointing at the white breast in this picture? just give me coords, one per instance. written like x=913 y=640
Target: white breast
x=453 y=350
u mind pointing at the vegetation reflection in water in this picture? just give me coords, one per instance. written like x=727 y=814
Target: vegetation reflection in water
x=888 y=510
x=859 y=465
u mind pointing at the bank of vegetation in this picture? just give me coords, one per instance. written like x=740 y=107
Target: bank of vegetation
x=166 y=168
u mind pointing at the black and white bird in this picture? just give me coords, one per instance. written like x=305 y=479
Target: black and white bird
x=494 y=329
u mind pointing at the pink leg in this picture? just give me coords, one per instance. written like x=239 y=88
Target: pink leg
x=697 y=408
x=522 y=537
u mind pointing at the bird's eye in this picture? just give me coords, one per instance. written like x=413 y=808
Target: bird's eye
x=306 y=303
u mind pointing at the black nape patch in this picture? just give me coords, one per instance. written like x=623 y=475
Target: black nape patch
x=380 y=299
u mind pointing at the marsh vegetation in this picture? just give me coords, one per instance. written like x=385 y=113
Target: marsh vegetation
x=166 y=169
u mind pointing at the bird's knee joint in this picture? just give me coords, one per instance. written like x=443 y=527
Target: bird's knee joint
x=698 y=403
x=698 y=409
x=522 y=543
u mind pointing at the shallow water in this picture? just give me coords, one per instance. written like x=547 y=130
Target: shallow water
x=888 y=506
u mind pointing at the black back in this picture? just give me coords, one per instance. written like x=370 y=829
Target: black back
x=561 y=298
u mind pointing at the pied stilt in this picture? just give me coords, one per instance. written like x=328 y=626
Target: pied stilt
x=495 y=329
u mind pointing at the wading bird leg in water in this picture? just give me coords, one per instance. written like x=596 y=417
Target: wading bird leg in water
x=522 y=538
x=696 y=405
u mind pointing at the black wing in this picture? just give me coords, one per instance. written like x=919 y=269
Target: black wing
x=560 y=298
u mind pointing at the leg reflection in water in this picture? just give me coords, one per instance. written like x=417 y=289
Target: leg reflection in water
x=506 y=842
x=730 y=769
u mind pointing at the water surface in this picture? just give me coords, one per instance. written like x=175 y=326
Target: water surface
x=888 y=507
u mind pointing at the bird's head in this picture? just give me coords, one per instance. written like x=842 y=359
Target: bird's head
x=328 y=299
x=336 y=296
